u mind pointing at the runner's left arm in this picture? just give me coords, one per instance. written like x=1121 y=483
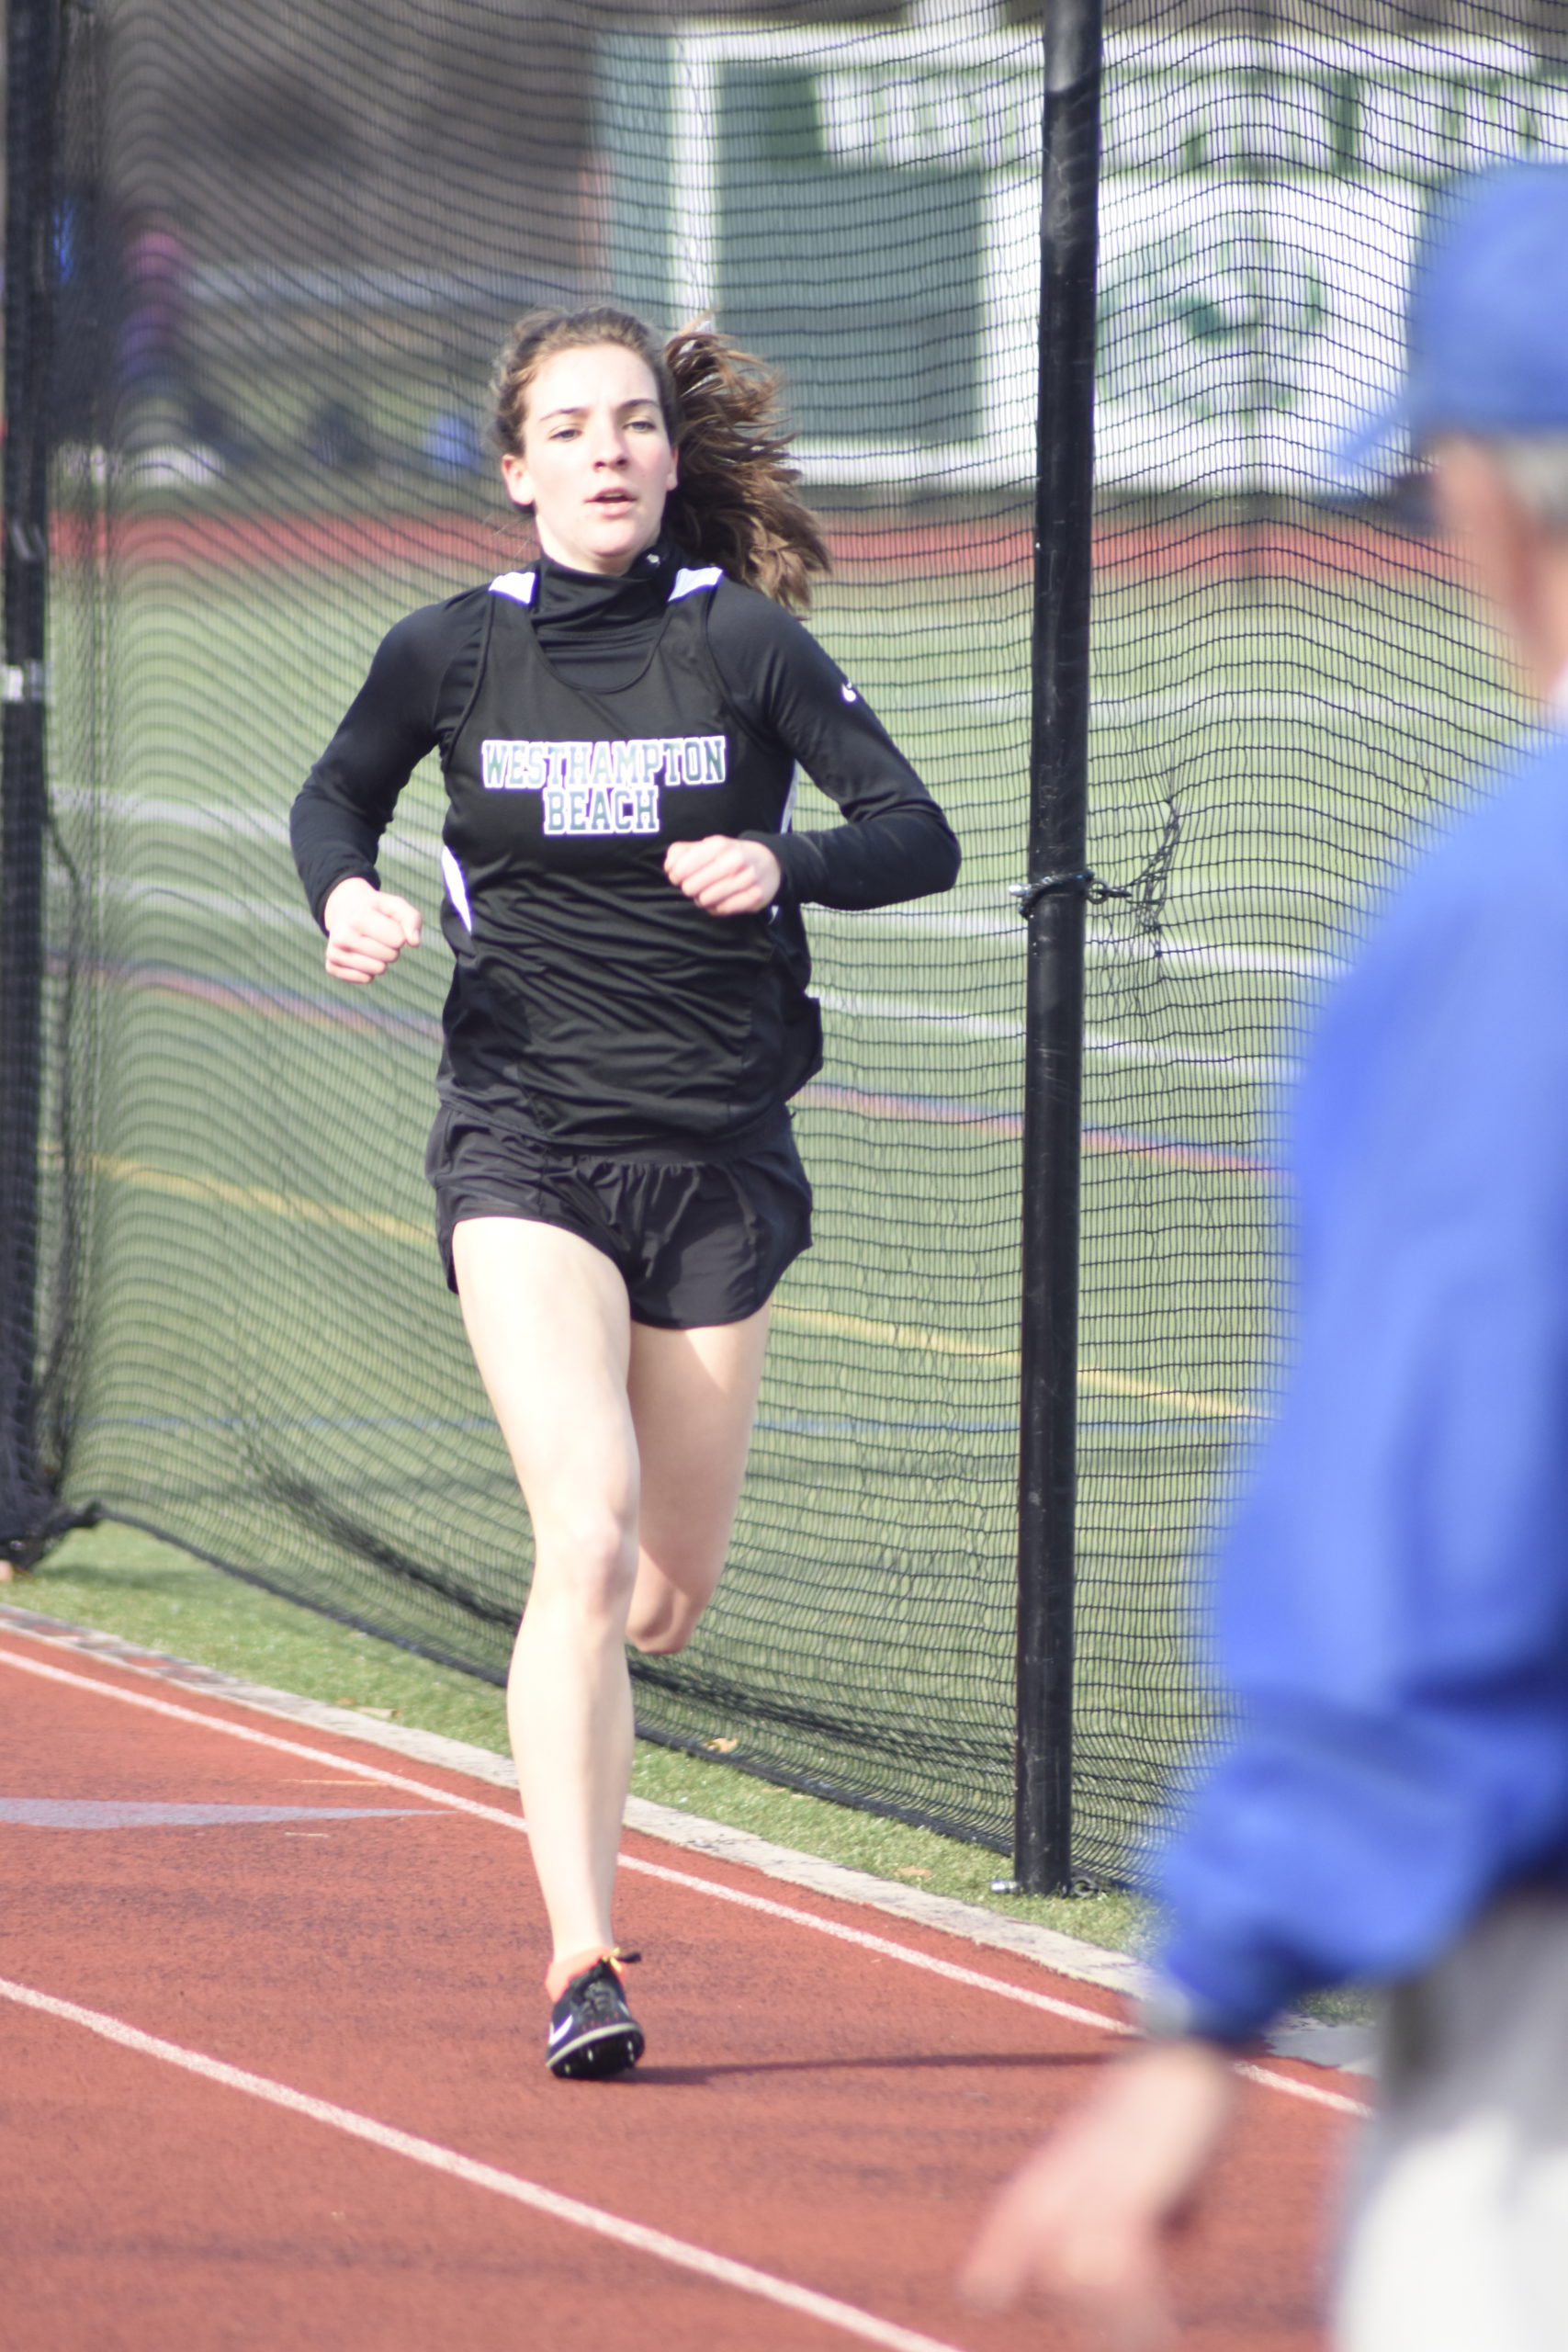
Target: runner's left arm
x=894 y=842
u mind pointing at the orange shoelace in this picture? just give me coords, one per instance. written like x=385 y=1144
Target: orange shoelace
x=560 y=1972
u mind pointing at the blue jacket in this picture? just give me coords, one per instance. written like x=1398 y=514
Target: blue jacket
x=1392 y=1597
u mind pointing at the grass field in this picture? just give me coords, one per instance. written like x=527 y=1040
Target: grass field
x=270 y=1370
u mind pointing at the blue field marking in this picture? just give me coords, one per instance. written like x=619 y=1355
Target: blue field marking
x=114 y=1812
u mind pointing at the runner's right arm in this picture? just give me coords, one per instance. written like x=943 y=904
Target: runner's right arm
x=346 y=801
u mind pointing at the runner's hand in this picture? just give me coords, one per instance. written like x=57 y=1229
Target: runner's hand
x=1085 y=2217
x=368 y=930
x=725 y=876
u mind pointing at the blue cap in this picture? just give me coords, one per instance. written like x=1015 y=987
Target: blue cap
x=1486 y=329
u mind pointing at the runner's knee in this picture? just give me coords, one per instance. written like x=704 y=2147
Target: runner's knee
x=679 y=1577
x=661 y=1624
x=588 y=1564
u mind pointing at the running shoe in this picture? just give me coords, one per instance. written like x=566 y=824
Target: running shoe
x=592 y=2030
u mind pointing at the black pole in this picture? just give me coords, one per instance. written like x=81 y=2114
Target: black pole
x=32 y=37
x=1053 y=902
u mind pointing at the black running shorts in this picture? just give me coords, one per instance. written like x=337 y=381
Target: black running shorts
x=696 y=1243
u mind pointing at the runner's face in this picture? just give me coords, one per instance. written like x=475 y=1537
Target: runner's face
x=596 y=464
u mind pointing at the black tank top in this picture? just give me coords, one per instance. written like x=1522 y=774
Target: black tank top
x=593 y=1004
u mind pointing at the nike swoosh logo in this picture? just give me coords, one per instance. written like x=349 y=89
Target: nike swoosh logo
x=557 y=2031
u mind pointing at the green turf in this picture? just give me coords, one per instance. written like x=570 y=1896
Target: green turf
x=269 y=1369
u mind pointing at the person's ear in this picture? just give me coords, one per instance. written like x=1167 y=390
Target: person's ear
x=519 y=481
x=1483 y=519
x=1487 y=522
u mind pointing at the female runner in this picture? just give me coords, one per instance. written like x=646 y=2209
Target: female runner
x=617 y=1188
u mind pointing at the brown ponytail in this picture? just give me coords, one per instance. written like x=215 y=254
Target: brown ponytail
x=736 y=503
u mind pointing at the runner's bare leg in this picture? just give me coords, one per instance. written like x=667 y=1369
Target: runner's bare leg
x=549 y=1324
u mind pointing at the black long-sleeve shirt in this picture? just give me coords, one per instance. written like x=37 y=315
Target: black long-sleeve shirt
x=596 y=632
x=556 y=1007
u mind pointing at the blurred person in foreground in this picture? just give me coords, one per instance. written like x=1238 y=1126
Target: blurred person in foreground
x=1393 y=1603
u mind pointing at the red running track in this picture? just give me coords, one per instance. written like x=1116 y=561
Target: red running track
x=1327 y=549
x=278 y=2081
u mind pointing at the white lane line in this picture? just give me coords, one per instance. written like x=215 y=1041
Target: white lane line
x=860 y=1938
x=886 y=1950
x=1166 y=948
x=985 y=1026
x=718 y=2268
x=1336 y=2100
x=1073 y=2011
x=186 y=897
x=235 y=822
x=260 y=1738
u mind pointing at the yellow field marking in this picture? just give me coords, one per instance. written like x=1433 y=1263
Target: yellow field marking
x=904 y=1338
x=911 y=1337
x=290 y=1206
x=1181 y=1400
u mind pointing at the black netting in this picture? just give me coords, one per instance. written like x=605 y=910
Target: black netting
x=289 y=246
